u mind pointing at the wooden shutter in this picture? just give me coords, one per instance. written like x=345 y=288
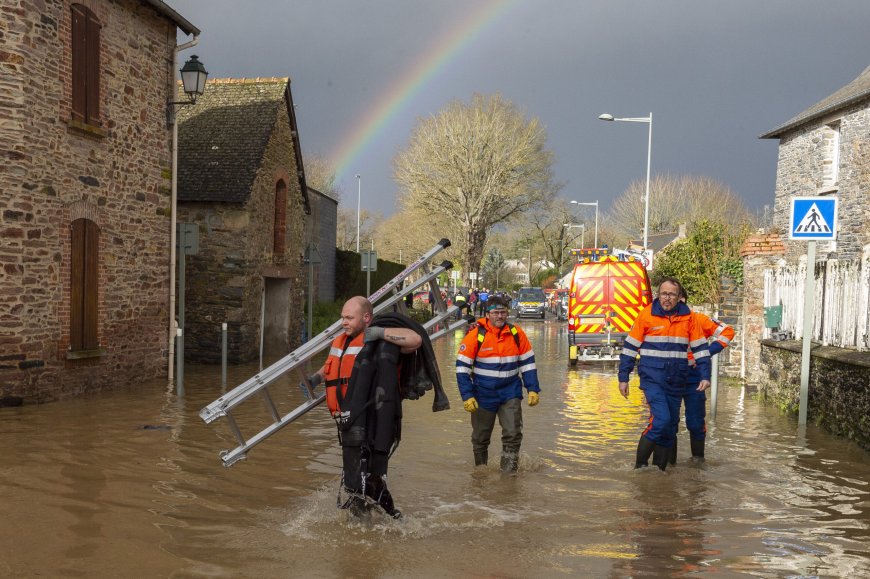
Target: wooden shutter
x=84 y=270
x=92 y=264
x=79 y=62
x=92 y=94
x=77 y=283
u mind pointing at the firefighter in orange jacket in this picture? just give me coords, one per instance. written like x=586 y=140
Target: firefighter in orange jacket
x=662 y=334
x=495 y=361
x=692 y=392
x=356 y=317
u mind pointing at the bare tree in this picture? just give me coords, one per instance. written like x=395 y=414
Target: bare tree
x=345 y=237
x=472 y=166
x=406 y=236
x=320 y=175
x=674 y=200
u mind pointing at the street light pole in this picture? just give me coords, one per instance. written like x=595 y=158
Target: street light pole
x=596 y=217
x=358 y=197
x=648 y=120
x=582 y=237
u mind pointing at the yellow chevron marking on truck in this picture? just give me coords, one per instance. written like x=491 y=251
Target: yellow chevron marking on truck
x=593 y=290
x=625 y=291
x=624 y=318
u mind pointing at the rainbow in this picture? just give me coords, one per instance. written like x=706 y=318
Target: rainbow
x=402 y=90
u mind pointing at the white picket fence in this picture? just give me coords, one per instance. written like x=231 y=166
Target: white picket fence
x=841 y=316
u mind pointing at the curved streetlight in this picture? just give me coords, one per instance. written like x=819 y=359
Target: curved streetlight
x=609 y=117
x=590 y=203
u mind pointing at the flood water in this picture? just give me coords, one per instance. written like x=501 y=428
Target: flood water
x=88 y=492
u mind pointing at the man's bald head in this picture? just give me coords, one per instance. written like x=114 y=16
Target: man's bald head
x=356 y=315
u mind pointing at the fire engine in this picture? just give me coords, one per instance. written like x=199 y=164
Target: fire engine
x=606 y=295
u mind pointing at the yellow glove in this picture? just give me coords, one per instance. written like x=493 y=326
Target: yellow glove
x=533 y=399
x=470 y=405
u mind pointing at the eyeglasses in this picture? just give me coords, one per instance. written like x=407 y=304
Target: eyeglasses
x=498 y=312
x=668 y=295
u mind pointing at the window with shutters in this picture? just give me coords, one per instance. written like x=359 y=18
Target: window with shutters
x=280 y=224
x=85 y=66
x=84 y=270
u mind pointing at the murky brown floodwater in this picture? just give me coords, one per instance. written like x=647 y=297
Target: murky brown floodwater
x=86 y=492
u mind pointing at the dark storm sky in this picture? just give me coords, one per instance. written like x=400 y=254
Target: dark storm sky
x=715 y=75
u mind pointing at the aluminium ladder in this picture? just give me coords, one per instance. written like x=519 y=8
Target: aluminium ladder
x=298 y=358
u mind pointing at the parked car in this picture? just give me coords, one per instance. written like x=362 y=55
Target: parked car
x=531 y=301
x=562 y=307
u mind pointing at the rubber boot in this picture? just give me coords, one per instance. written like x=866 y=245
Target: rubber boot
x=661 y=455
x=673 y=457
x=356 y=505
x=697 y=450
x=381 y=494
x=645 y=448
x=509 y=462
x=481 y=458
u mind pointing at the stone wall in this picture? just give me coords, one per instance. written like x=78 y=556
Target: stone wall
x=321 y=229
x=730 y=312
x=115 y=174
x=839 y=386
x=225 y=280
x=759 y=252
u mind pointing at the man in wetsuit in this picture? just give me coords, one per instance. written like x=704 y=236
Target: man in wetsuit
x=364 y=467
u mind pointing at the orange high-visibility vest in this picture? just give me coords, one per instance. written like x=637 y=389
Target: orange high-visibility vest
x=338 y=367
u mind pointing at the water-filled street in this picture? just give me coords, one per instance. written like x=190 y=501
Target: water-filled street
x=128 y=483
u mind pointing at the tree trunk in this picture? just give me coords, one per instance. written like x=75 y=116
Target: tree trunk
x=475 y=241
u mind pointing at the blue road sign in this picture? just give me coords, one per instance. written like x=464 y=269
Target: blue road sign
x=813 y=218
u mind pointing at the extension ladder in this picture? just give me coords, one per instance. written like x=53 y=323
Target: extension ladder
x=298 y=358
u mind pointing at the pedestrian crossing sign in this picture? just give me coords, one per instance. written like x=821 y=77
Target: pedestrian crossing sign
x=813 y=218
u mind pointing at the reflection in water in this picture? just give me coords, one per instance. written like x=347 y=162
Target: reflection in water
x=87 y=491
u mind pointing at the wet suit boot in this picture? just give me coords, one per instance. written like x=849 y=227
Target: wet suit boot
x=673 y=457
x=697 y=450
x=481 y=458
x=378 y=491
x=661 y=456
x=645 y=448
x=509 y=462
x=376 y=488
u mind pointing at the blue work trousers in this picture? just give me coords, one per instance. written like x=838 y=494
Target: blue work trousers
x=696 y=410
x=656 y=384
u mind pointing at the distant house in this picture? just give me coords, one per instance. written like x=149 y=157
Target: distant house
x=659 y=241
x=85 y=209
x=242 y=181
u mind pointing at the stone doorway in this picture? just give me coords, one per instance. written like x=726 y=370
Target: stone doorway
x=276 y=317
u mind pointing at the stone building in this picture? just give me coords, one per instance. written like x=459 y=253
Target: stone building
x=85 y=203
x=241 y=180
x=824 y=150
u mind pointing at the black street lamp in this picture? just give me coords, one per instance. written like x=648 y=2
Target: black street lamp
x=193 y=77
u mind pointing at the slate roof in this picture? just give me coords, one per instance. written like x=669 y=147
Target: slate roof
x=656 y=241
x=222 y=138
x=855 y=91
x=179 y=20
